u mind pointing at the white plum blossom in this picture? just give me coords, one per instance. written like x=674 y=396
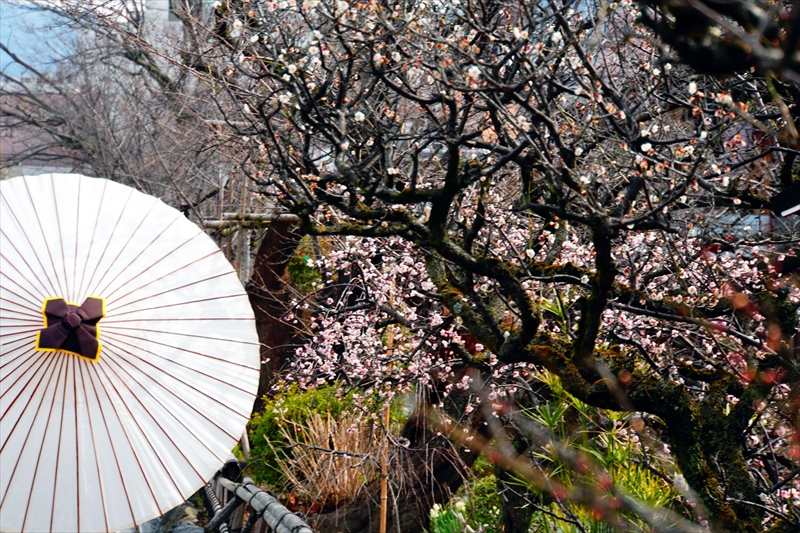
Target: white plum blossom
x=474 y=72
x=519 y=34
x=359 y=116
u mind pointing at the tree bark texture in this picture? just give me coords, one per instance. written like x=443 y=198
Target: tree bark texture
x=269 y=296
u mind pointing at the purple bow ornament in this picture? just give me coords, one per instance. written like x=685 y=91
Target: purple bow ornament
x=71 y=328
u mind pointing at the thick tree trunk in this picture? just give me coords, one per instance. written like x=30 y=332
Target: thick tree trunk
x=517 y=511
x=269 y=296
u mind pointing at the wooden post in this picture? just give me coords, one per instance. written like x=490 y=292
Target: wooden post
x=385 y=450
x=241 y=242
x=385 y=471
x=245 y=445
x=221 y=194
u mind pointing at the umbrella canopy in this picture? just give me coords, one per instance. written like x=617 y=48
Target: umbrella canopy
x=129 y=358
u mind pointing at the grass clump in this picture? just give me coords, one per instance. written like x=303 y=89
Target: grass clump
x=274 y=431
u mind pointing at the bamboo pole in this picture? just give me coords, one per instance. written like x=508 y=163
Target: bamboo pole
x=245 y=445
x=250 y=220
x=385 y=447
x=240 y=240
x=385 y=471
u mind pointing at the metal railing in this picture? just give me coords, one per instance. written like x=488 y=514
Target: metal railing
x=229 y=496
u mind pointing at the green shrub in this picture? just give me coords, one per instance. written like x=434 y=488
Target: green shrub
x=608 y=440
x=291 y=408
x=476 y=504
x=305 y=277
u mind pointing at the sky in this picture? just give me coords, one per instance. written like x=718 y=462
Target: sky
x=23 y=31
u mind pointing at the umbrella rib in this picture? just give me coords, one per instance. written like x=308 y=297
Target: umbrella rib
x=166 y=306
x=35 y=302
x=19 y=357
x=177 y=447
x=186 y=382
x=179 y=334
x=143 y=250
x=198 y=411
x=143 y=434
x=8 y=351
x=60 y=437
x=27 y=437
x=173 y=289
x=25 y=232
x=215 y=358
x=110 y=268
x=109 y=240
x=43 y=289
x=96 y=456
x=37 y=316
x=183 y=266
x=95 y=387
x=178 y=319
x=44 y=237
x=31 y=364
x=92 y=240
x=21 y=322
x=6 y=343
x=61 y=358
x=75 y=361
x=35 y=382
x=60 y=241
x=172 y=393
x=37 y=328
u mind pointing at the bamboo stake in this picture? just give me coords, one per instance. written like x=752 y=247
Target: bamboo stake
x=250 y=220
x=385 y=450
x=240 y=241
x=385 y=472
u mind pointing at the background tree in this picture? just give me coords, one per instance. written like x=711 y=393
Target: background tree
x=725 y=37
x=107 y=108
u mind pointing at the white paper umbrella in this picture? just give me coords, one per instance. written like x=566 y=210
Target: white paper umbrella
x=129 y=413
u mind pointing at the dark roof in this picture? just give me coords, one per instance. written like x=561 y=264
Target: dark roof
x=787 y=202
